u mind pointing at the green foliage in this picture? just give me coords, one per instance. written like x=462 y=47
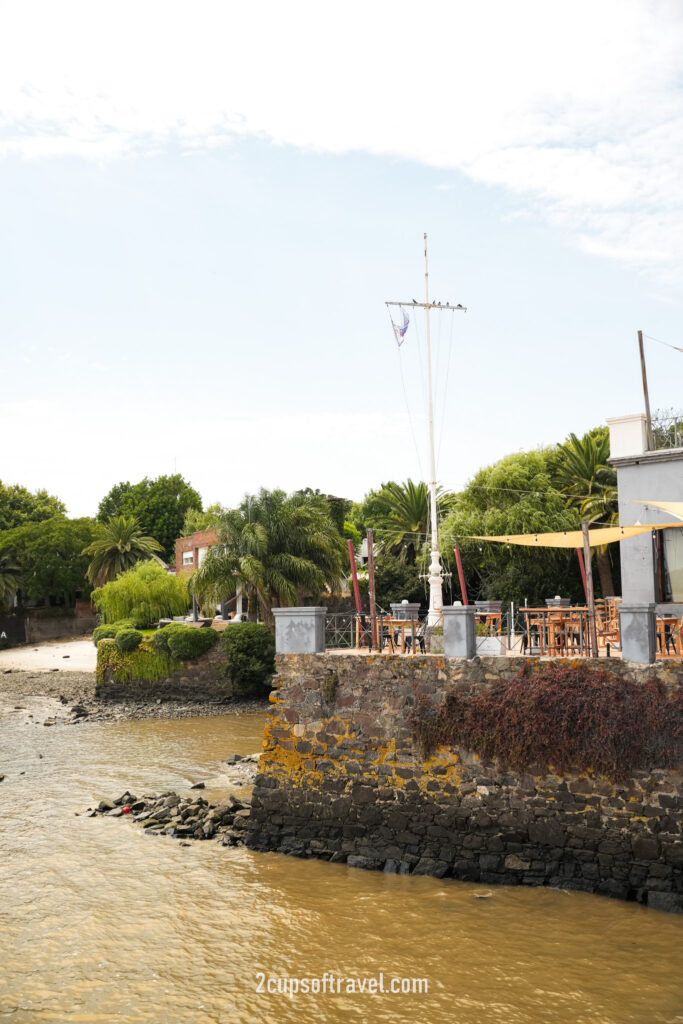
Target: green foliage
x=399 y=515
x=104 y=632
x=162 y=636
x=249 y=648
x=119 y=544
x=50 y=555
x=10 y=578
x=144 y=662
x=127 y=639
x=396 y=580
x=145 y=594
x=160 y=507
x=278 y=548
x=515 y=495
x=196 y=520
x=190 y=641
x=19 y=506
x=570 y=717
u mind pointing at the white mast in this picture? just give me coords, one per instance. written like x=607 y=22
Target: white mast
x=435 y=571
x=435 y=579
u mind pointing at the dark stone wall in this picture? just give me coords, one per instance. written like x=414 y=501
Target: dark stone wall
x=341 y=778
x=198 y=679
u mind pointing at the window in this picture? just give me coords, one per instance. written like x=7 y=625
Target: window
x=188 y=558
x=201 y=555
x=672 y=564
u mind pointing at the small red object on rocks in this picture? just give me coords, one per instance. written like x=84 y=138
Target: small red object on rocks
x=126 y=810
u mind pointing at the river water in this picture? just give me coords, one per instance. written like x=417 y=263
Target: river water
x=100 y=922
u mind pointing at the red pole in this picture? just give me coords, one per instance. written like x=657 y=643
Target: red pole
x=461 y=574
x=583 y=572
x=354 y=576
x=371 y=588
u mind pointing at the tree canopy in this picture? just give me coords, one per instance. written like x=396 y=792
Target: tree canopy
x=516 y=495
x=144 y=594
x=278 y=548
x=19 y=505
x=50 y=556
x=160 y=507
x=119 y=544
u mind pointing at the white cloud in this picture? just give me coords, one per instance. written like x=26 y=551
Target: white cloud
x=574 y=107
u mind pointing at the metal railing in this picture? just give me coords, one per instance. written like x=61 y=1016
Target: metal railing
x=667 y=429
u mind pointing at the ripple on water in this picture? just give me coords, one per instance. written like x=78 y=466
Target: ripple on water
x=103 y=922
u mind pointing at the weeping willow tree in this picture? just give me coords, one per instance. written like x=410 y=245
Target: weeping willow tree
x=145 y=594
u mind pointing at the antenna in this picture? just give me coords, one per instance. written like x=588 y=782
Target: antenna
x=436 y=573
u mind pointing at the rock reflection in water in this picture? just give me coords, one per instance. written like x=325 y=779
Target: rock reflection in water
x=104 y=923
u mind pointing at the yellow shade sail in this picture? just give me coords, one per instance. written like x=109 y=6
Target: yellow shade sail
x=674 y=508
x=574 y=538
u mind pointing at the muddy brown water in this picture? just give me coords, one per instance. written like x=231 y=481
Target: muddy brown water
x=100 y=922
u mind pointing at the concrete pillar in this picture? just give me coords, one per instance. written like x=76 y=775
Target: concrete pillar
x=459 y=639
x=299 y=630
x=405 y=610
x=638 y=628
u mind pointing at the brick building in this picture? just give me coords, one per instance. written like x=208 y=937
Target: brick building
x=190 y=551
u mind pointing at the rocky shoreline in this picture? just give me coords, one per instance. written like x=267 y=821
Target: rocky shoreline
x=184 y=818
x=77 y=703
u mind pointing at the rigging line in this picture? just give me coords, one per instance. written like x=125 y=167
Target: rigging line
x=420 y=363
x=445 y=390
x=405 y=398
x=676 y=348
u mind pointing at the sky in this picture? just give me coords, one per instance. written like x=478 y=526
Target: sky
x=204 y=208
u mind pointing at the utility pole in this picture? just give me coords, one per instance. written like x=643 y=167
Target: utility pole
x=435 y=571
x=648 y=417
x=589 y=589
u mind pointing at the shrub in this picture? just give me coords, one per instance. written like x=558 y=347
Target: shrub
x=127 y=639
x=145 y=594
x=109 y=631
x=163 y=635
x=190 y=641
x=105 y=632
x=567 y=716
x=249 y=648
x=142 y=663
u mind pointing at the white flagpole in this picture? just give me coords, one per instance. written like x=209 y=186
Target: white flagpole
x=435 y=577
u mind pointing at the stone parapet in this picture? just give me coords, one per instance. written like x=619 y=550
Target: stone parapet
x=341 y=778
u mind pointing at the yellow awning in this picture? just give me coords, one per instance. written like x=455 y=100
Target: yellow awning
x=674 y=508
x=574 y=538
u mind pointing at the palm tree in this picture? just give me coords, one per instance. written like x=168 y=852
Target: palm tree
x=276 y=548
x=583 y=473
x=118 y=547
x=403 y=517
x=10 y=578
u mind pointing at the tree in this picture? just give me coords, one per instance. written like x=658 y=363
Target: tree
x=581 y=471
x=159 y=506
x=399 y=515
x=516 y=495
x=144 y=594
x=195 y=520
x=10 y=578
x=117 y=547
x=50 y=555
x=278 y=548
x=18 y=506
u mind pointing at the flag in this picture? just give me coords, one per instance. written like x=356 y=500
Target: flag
x=400 y=331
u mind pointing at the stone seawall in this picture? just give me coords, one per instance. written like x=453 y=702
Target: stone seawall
x=341 y=778
x=197 y=679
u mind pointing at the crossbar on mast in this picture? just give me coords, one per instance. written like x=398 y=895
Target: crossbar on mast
x=435 y=569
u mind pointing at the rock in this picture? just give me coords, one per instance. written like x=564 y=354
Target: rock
x=66 y=655
x=186 y=844
x=79 y=710
x=515 y=863
x=2 y=777
x=116 y=813
x=105 y=805
x=237 y=805
x=198 y=785
x=233 y=759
